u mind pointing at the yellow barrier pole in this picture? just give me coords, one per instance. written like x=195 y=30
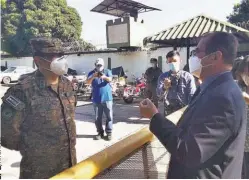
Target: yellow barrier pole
x=97 y=163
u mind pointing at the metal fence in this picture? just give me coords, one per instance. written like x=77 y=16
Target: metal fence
x=138 y=156
x=148 y=162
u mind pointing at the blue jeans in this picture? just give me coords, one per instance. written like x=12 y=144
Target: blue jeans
x=99 y=109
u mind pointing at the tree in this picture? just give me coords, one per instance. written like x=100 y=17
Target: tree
x=240 y=14
x=26 y=19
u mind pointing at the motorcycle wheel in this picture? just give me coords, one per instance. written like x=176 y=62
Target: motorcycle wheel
x=128 y=100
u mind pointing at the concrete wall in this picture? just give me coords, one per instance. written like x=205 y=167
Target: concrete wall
x=133 y=62
x=13 y=61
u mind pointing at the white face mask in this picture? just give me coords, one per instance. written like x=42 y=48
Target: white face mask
x=174 y=66
x=99 y=68
x=245 y=78
x=58 y=66
x=195 y=66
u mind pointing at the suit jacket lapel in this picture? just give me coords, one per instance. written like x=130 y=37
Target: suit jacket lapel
x=213 y=84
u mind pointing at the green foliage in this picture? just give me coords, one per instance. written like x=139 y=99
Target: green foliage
x=240 y=14
x=23 y=20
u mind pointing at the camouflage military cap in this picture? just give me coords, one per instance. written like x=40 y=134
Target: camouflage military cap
x=46 y=46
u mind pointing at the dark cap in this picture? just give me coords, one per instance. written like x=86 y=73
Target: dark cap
x=153 y=60
x=46 y=46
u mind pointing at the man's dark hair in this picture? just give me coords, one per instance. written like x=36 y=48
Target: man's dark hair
x=236 y=65
x=153 y=60
x=243 y=64
x=186 y=68
x=172 y=54
x=239 y=68
x=224 y=42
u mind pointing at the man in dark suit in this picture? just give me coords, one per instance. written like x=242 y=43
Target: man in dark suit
x=208 y=141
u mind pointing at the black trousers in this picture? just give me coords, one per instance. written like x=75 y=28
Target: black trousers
x=152 y=94
x=245 y=169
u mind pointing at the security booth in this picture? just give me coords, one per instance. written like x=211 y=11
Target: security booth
x=188 y=33
x=127 y=30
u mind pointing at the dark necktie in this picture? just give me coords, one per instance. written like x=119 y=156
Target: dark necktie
x=197 y=92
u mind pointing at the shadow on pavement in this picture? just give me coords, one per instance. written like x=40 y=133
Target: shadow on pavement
x=8 y=85
x=121 y=113
x=85 y=136
x=15 y=165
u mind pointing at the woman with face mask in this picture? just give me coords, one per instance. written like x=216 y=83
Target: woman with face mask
x=241 y=73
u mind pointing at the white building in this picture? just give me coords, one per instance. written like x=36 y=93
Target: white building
x=133 y=62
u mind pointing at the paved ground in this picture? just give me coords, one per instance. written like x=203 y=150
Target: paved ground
x=126 y=121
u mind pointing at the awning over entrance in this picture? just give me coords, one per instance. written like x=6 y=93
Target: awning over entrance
x=188 y=33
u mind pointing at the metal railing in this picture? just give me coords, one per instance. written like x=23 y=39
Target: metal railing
x=139 y=156
x=101 y=161
x=137 y=153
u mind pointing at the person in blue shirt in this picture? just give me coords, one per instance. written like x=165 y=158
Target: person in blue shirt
x=177 y=86
x=100 y=79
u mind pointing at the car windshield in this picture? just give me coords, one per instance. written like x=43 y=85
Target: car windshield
x=9 y=70
x=81 y=73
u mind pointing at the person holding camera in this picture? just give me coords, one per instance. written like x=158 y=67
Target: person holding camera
x=177 y=85
x=100 y=79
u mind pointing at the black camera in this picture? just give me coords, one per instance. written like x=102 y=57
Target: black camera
x=100 y=74
x=174 y=81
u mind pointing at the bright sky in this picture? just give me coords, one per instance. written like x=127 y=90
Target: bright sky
x=173 y=12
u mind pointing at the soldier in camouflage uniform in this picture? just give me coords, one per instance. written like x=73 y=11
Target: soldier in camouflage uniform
x=38 y=115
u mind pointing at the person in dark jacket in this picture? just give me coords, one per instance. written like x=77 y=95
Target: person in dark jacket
x=151 y=75
x=208 y=140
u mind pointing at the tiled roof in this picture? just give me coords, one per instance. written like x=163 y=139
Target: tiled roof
x=189 y=31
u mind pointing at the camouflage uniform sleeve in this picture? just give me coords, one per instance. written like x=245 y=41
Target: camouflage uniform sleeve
x=13 y=113
x=72 y=89
x=76 y=97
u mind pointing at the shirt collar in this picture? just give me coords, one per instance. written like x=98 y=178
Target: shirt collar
x=41 y=82
x=210 y=79
x=178 y=73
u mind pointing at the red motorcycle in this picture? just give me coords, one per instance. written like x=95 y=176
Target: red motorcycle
x=134 y=91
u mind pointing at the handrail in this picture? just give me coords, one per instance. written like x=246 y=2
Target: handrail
x=97 y=163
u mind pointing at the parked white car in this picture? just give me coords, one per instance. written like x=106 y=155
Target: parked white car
x=79 y=77
x=13 y=73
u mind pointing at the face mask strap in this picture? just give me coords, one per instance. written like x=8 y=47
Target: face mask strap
x=59 y=58
x=208 y=55
x=47 y=61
